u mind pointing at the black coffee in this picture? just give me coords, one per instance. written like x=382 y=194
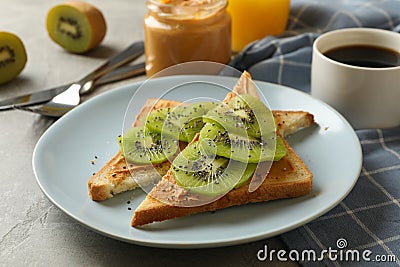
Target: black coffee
x=365 y=56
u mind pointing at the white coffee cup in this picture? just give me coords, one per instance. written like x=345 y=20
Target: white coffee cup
x=367 y=97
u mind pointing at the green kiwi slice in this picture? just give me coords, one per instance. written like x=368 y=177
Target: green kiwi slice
x=191 y=119
x=141 y=146
x=182 y=122
x=76 y=26
x=156 y=118
x=237 y=147
x=202 y=174
x=12 y=56
x=243 y=115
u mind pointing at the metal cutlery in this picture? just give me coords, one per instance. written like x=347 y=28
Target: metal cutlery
x=118 y=74
x=108 y=72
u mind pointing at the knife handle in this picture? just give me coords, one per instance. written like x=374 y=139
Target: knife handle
x=122 y=73
x=129 y=54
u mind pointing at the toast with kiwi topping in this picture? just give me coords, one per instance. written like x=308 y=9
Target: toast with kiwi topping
x=288 y=176
x=116 y=177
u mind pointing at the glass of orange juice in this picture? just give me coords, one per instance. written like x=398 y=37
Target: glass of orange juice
x=254 y=19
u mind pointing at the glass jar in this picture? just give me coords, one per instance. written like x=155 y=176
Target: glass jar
x=178 y=31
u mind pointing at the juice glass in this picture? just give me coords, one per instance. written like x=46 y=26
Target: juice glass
x=254 y=19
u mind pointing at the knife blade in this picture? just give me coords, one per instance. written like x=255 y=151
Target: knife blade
x=44 y=96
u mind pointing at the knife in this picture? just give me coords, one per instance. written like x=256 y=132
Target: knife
x=112 y=76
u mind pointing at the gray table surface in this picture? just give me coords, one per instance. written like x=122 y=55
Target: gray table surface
x=32 y=230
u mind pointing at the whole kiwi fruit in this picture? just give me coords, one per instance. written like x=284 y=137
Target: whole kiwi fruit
x=76 y=26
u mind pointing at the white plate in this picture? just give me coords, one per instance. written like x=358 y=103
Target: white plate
x=63 y=157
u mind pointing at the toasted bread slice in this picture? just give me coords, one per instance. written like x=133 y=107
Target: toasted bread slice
x=287 y=178
x=116 y=176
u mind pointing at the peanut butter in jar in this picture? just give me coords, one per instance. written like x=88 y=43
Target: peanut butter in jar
x=178 y=31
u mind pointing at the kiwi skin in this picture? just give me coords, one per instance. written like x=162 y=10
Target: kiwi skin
x=93 y=18
x=13 y=56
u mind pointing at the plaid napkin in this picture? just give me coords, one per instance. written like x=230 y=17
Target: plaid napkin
x=368 y=219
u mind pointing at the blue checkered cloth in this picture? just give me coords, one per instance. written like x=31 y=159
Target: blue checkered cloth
x=369 y=217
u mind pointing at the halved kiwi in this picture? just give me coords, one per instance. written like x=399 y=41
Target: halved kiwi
x=200 y=174
x=244 y=149
x=141 y=146
x=182 y=122
x=12 y=56
x=76 y=26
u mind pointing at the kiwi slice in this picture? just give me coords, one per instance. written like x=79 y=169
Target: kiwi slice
x=237 y=147
x=243 y=115
x=12 y=56
x=141 y=146
x=191 y=119
x=156 y=118
x=182 y=122
x=76 y=26
x=202 y=174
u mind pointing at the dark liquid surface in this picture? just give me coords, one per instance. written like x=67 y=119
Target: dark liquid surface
x=365 y=56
